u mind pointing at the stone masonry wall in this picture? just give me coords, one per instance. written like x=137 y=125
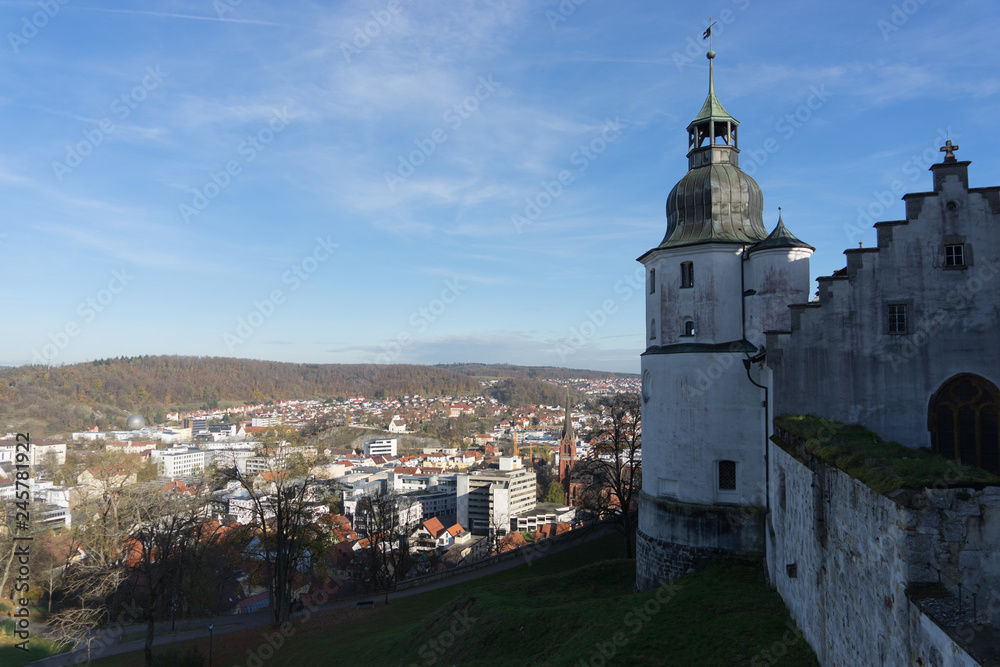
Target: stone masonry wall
x=843 y=556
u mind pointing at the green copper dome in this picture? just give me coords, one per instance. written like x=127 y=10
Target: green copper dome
x=714 y=203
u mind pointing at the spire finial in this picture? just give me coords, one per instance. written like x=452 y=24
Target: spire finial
x=710 y=55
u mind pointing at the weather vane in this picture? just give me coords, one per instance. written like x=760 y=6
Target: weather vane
x=708 y=33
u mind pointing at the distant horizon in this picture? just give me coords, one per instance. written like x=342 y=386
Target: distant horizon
x=7 y=364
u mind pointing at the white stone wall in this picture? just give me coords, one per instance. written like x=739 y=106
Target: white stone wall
x=854 y=552
x=713 y=303
x=702 y=409
x=779 y=277
x=840 y=362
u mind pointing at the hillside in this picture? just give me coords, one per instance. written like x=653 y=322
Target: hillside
x=60 y=399
x=535 y=372
x=105 y=392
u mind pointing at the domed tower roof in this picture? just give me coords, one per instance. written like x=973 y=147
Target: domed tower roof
x=715 y=202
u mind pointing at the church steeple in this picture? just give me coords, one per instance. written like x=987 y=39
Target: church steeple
x=567 y=450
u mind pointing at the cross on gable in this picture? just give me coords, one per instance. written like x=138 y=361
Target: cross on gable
x=948 y=150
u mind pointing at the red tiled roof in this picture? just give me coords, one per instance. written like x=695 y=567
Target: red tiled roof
x=434 y=527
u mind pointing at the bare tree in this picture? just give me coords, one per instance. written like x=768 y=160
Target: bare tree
x=51 y=557
x=162 y=546
x=282 y=523
x=383 y=517
x=613 y=470
x=94 y=589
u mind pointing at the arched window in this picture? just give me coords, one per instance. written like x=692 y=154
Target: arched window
x=962 y=419
x=688 y=328
x=652 y=281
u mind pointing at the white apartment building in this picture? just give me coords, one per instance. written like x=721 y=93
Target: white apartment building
x=181 y=461
x=36 y=452
x=383 y=447
x=487 y=499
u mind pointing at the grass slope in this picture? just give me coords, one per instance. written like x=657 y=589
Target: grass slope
x=38 y=647
x=572 y=608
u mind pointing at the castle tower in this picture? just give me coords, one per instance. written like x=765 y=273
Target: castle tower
x=715 y=283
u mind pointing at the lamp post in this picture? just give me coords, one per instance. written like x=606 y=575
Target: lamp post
x=211 y=626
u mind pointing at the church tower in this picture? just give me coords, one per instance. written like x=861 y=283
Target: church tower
x=567 y=451
x=715 y=283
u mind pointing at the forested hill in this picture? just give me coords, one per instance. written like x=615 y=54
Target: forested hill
x=65 y=398
x=535 y=372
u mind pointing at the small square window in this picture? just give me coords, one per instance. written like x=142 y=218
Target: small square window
x=687 y=274
x=727 y=475
x=897 y=319
x=954 y=254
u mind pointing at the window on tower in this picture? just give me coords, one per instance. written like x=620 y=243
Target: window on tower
x=688 y=328
x=687 y=274
x=652 y=281
x=652 y=329
x=954 y=255
x=897 y=318
x=727 y=475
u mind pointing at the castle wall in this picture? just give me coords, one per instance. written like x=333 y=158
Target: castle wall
x=674 y=538
x=841 y=361
x=844 y=558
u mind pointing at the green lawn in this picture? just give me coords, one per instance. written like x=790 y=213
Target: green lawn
x=11 y=656
x=573 y=608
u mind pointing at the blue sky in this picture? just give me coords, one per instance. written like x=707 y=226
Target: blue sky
x=337 y=182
